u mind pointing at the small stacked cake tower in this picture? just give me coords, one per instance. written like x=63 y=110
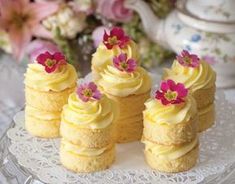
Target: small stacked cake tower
x=199 y=78
x=48 y=84
x=87 y=143
x=113 y=45
x=170 y=129
x=116 y=70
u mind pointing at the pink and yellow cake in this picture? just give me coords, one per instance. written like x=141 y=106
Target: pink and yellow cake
x=87 y=129
x=105 y=53
x=116 y=71
x=170 y=129
x=48 y=83
x=199 y=77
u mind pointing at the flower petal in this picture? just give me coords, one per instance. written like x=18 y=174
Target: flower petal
x=19 y=40
x=159 y=95
x=36 y=47
x=171 y=84
x=122 y=57
x=118 y=32
x=84 y=98
x=106 y=36
x=121 y=13
x=177 y=101
x=97 y=95
x=185 y=53
x=92 y=86
x=58 y=56
x=165 y=101
x=132 y=64
x=41 y=59
x=181 y=90
x=40 y=31
x=7 y=7
x=116 y=61
x=164 y=86
x=44 y=9
x=50 y=69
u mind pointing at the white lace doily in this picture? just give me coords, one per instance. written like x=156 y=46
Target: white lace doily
x=217 y=154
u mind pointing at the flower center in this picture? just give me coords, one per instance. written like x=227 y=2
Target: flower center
x=113 y=40
x=87 y=92
x=19 y=19
x=170 y=95
x=123 y=65
x=187 y=60
x=50 y=62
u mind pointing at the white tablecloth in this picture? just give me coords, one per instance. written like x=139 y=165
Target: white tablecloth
x=12 y=96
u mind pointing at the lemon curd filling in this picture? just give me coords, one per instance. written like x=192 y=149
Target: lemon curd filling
x=39 y=114
x=169 y=152
x=82 y=151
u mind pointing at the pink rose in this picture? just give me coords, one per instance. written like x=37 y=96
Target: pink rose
x=97 y=35
x=114 y=10
x=37 y=47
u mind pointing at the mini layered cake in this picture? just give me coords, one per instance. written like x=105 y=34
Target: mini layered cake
x=199 y=77
x=126 y=83
x=110 y=48
x=87 y=124
x=48 y=83
x=170 y=129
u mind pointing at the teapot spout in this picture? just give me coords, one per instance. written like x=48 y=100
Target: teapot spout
x=153 y=26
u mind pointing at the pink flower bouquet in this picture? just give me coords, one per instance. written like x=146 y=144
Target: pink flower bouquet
x=29 y=27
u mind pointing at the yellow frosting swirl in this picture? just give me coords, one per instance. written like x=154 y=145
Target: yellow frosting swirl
x=118 y=83
x=169 y=152
x=39 y=114
x=103 y=56
x=206 y=109
x=156 y=112
x=37 y=78
x=96 y=114
x=202 y=77
x=82 y=151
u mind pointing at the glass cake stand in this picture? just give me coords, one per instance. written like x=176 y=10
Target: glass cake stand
x=26 y=159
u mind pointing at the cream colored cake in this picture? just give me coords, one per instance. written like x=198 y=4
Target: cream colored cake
x=200 y=79
x=170 y=129
x=174 y=158
x=87 y=130
x=129 y=91
x=170 y=124
x=45 y=95
x=80 y=159
x=89 y=124
x=115 y=68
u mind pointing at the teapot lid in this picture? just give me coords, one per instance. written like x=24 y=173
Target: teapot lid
x=212 y=10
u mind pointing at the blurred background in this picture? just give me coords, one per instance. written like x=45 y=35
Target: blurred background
x=74 y=27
